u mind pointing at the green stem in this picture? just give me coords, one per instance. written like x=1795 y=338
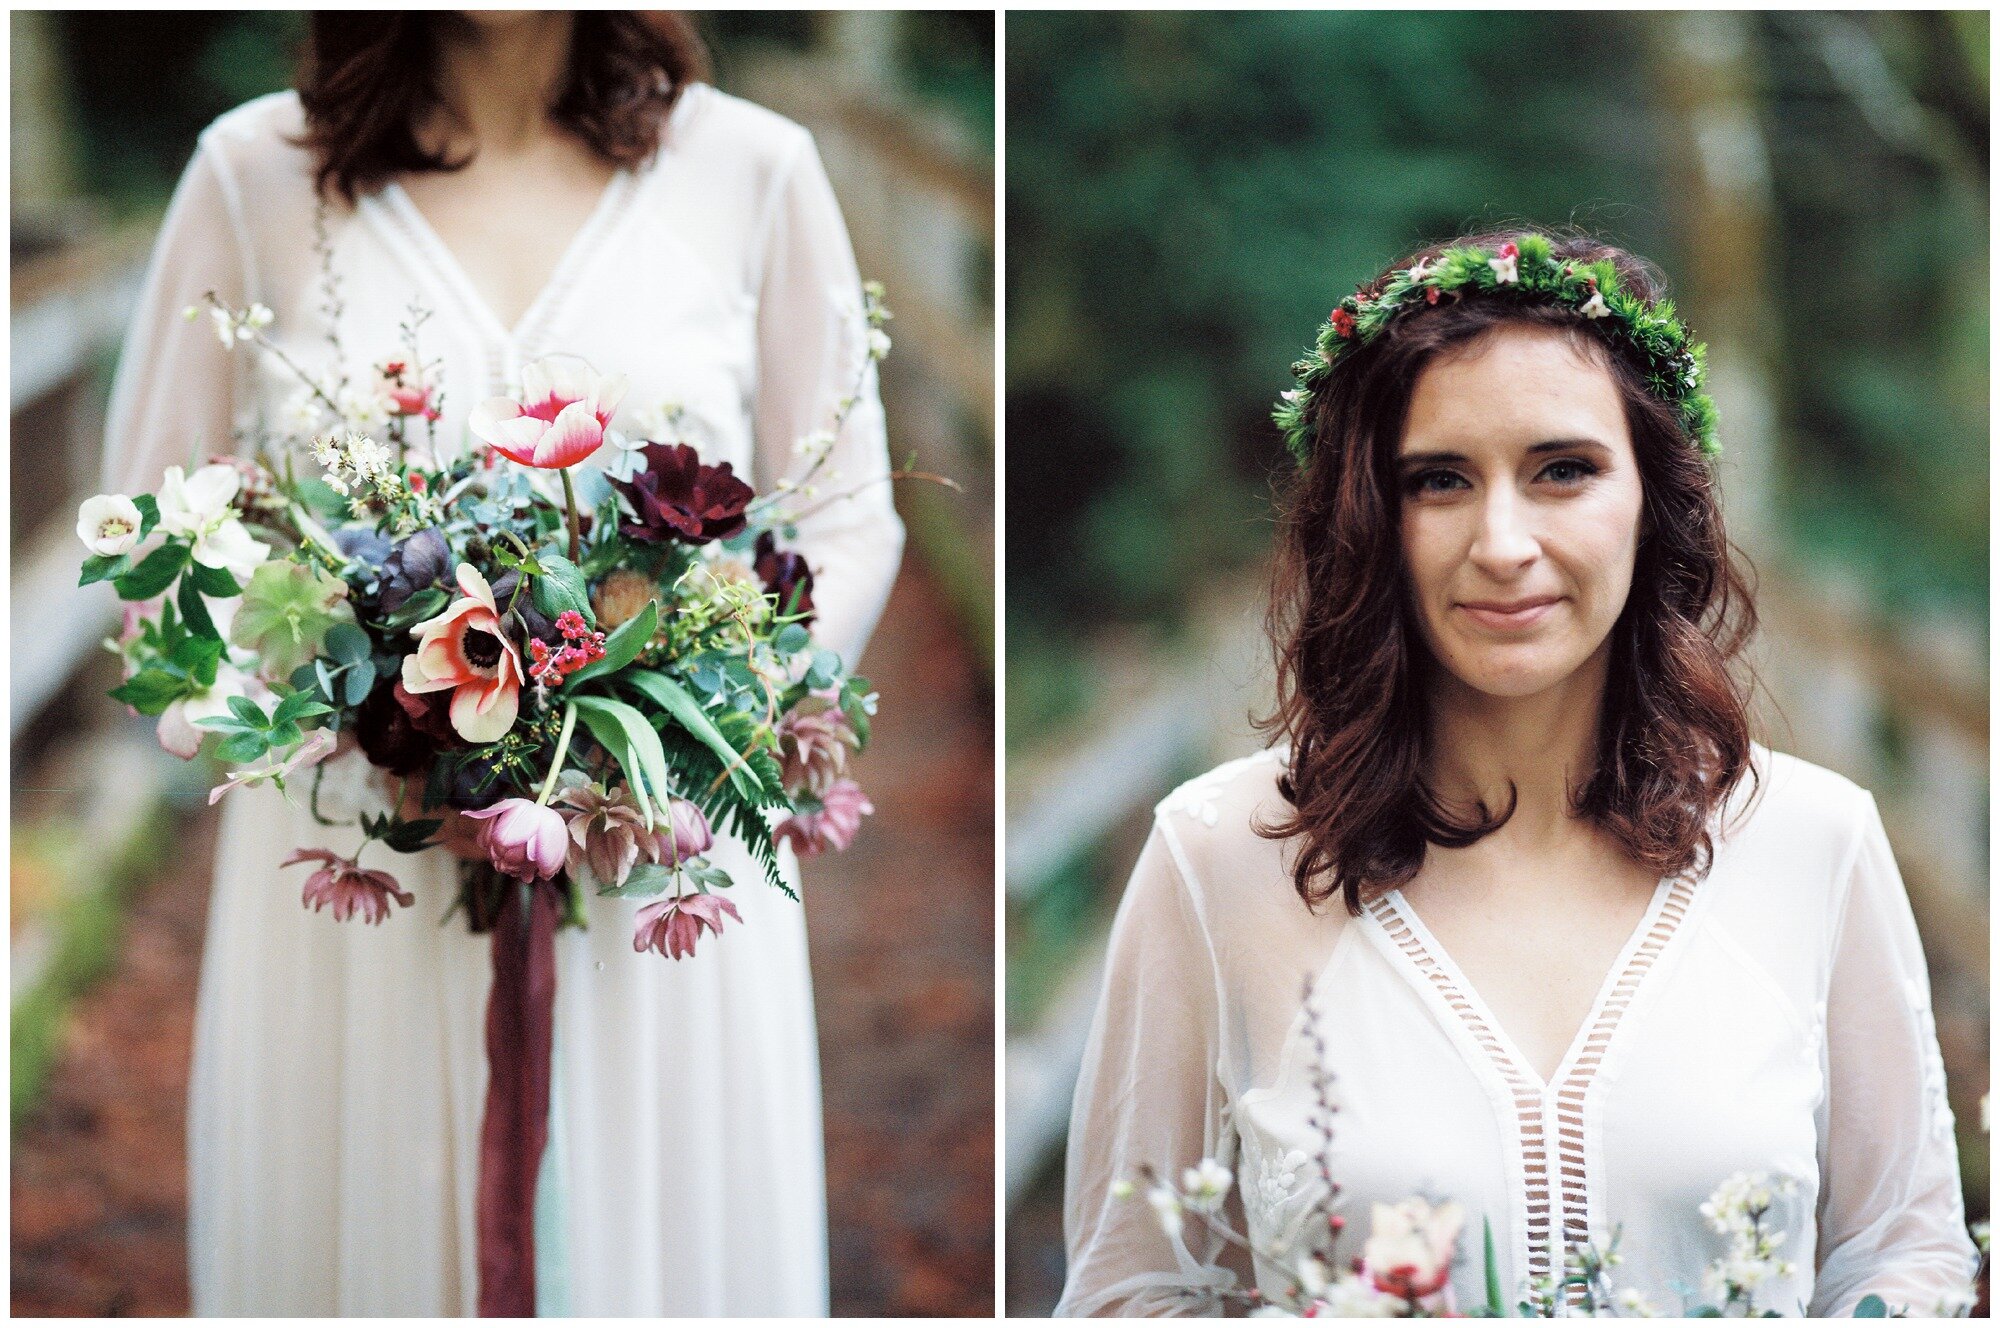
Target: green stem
x=562 y=750
x=569 y=497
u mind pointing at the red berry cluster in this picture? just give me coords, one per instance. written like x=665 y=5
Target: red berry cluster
x=583 y=646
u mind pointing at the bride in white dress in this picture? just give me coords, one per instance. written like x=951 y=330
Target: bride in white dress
x=339 y=1070
x=1505 y=564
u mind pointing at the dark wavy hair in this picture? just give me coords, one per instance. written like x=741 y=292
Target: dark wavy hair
x=366 y=80
x=1673 y=737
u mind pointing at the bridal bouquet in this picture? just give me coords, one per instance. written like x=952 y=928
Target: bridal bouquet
x=601 y=684
x=601 y=669
x=1403 y=1269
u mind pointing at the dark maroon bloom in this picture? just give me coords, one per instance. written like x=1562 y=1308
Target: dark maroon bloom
x=423 y=559
x=786 y=575
x=678 y=498
x=401 y=732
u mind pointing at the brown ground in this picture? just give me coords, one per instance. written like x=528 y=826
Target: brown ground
x=902 y=935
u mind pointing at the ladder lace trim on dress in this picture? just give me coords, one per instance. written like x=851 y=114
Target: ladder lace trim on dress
x=1568 y=1186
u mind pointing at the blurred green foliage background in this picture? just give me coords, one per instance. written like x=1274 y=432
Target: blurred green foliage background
x=1189 y=193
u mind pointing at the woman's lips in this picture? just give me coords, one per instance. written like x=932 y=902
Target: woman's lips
x=1510 y=616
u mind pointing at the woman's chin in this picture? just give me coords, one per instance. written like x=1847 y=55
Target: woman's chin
x=1512 y=673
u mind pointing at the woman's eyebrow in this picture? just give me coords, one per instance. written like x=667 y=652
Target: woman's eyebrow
x=1547 y=445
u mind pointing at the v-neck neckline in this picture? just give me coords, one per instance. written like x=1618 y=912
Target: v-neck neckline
x=1475 y=1011
x=445 y=263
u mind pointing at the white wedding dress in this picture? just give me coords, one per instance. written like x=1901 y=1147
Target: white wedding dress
x=1772 y=1016
x=339 y=1069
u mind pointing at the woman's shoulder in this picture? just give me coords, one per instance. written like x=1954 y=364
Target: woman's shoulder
x=1798 y=821
x=709 y=122
x=1211 y=822
x=263 y=125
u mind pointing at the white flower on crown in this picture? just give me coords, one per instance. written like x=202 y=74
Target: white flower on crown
x=1594 y=307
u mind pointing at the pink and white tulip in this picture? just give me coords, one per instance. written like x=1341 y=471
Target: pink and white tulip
x=1409 y=1249
x=561 y=418
x=523 y=839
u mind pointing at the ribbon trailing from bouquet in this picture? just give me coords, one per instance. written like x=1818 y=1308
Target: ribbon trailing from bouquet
x=520 y=1037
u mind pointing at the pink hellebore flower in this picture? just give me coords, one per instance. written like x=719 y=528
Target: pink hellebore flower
x=682 y=833
x=672 y=926
x=319 y=745
x=466 y=649
x=350 y=888
x=565 y=408
x=523 y=840
x=831 y=827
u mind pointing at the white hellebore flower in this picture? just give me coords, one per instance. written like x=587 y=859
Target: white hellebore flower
x=1313 y=1276
x=1206 y=1184
x=1594 y=307
x=177 y=730
x=197 y=507
x=108 y=524
x=1167 y=1208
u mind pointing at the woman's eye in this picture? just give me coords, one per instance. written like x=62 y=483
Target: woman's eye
x=1568 y=471
x=1433 y=481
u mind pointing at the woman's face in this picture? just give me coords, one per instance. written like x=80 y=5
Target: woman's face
x=1520 y=510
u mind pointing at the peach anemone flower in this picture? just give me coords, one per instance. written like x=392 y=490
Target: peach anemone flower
x=564 y=409
x=465 y=649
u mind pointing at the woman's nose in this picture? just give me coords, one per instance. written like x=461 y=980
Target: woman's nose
x=1504 y=542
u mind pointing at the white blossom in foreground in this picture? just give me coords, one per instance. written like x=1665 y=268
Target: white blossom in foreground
x=108 y=524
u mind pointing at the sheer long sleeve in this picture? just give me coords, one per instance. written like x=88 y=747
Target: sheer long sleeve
x=1150 y=1095
x=173 y=397
x=812 y=353
x=1891 y=1217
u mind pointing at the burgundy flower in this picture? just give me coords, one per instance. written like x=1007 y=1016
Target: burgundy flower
x=351 y=889
x=421 y=560
x=786 y=575
x=523 y=840
x=1343 y=323
x=402 y=732
x=672 y=926
x=833 y=826
x=678 y=498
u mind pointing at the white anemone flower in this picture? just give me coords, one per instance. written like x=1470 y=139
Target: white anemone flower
x=197 y=508
x=108 y=524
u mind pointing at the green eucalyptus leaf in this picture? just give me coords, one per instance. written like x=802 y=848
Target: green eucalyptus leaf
x=347 y=643
x=425 y=604
x=645 y=880
x=360 y=681
x=560 y=588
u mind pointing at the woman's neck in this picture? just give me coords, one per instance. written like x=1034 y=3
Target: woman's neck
x=1544 y=745
x=497 y=81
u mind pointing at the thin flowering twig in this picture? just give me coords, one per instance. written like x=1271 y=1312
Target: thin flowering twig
x=264 y=343
x=332 y=305
x=891 y=477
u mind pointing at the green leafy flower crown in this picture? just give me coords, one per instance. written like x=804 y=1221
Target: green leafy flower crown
x=1526 y=268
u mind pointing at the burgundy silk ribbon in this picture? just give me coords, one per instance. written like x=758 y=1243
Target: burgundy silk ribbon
x=520 y=1037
